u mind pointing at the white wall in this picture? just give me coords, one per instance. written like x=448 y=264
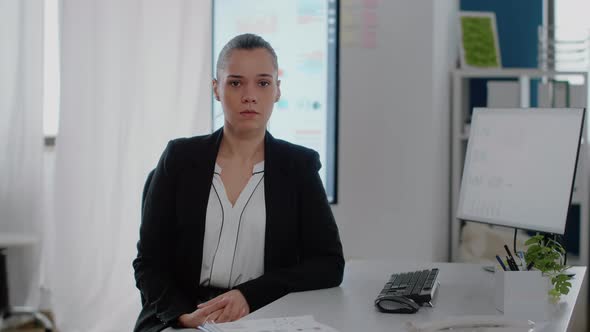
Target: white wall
x=394 y=134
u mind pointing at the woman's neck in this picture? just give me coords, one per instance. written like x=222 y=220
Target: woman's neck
x=247 y=147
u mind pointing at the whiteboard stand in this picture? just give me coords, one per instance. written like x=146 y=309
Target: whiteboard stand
x=460 y=117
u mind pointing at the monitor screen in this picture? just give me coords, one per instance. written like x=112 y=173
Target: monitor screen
x=519 y=167
x=304 y=34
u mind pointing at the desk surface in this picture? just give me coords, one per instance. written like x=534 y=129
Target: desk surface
x=465 y=289
x=16 y=239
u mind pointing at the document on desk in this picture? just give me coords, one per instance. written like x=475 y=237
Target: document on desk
x=283 y=324
x=489 y=323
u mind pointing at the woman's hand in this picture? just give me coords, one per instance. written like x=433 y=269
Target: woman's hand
x=235 y=306
x=204 y=314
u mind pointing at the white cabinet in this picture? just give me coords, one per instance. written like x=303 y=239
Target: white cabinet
x=460 y=134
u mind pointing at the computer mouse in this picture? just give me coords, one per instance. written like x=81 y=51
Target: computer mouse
x=396 y=304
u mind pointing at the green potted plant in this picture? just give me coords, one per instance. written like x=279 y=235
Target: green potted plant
x=548 y=256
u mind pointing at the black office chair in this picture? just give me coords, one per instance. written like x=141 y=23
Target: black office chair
x=146 y=187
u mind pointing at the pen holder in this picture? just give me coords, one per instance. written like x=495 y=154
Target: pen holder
x=523 y=294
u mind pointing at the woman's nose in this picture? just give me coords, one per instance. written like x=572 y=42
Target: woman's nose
x=249 y=99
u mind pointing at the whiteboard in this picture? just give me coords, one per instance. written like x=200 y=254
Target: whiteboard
x=519 y=167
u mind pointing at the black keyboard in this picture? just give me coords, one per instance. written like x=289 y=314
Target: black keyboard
x=420 y=286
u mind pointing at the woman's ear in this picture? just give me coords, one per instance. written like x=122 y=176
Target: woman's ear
x=215 y=87
x=278 y=91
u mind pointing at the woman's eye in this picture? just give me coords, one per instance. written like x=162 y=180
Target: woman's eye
x=234 y=83
x=264 y=83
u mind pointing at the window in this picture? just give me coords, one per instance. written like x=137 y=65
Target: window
x=572 y=24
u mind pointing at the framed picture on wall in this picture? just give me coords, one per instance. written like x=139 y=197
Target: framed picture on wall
x=479 y=40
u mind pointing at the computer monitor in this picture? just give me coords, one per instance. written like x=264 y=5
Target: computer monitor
x=304 y=34
x=520 y=166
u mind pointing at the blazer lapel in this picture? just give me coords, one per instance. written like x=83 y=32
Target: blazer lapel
x=275 y=196
x=196 y=186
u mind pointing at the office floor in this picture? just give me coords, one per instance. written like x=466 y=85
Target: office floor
x=20 y=324
x=28 y=327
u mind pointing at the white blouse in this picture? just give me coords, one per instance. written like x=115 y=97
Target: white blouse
x=233 y=249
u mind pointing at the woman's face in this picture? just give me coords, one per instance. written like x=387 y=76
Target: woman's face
x=247 y=88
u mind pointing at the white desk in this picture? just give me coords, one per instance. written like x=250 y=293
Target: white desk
x=16 y=240
x=465 y=289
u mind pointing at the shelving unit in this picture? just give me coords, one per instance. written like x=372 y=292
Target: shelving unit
x=460 y=136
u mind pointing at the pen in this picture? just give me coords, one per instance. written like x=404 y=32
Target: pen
x=510 y=260
x=501 y=263
x=508 y=251
x=512 y=264
x=509 y=263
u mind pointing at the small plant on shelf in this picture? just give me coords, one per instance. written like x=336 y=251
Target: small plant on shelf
x=548 y=256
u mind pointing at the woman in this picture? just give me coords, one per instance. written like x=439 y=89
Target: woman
x=237 y=219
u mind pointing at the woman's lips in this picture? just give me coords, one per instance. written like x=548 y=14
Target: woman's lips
x=249 y=113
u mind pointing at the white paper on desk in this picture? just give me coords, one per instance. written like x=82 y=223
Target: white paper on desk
x=283 y=324
x=482 y=323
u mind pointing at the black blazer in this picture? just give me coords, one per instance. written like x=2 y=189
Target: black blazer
x=302 y=246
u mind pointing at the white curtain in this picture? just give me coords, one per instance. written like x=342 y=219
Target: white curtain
x=135 y=74
x=21 y=140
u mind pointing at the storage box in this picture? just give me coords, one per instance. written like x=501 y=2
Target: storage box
x=523 y=294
